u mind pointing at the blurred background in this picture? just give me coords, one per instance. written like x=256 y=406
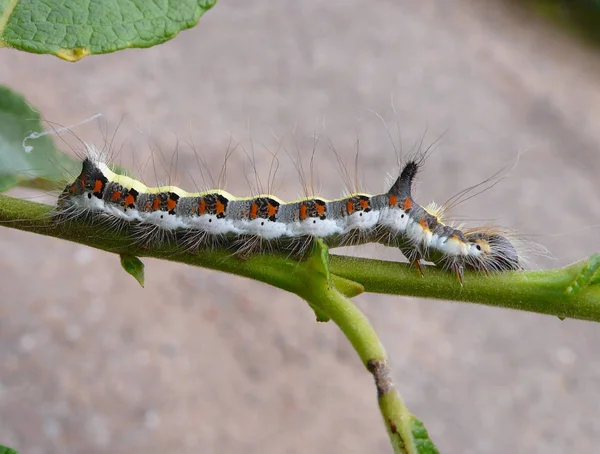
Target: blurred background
x=203 y=362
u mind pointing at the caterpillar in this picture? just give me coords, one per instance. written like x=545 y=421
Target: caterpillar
x=265 y=222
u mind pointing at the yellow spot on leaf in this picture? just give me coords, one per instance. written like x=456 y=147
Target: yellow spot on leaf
x=73 y=54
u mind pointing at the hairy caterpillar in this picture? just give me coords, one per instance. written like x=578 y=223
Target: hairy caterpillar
x=265 y=222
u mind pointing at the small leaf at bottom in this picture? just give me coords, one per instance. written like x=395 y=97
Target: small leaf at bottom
x=133 y=266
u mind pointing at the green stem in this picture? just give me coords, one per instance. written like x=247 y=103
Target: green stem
x=357 y=329
x=309 y=279
x=323 y=296
x=572 y=292
x=323 y=280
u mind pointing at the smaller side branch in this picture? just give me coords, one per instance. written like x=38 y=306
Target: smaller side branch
x=407 y=434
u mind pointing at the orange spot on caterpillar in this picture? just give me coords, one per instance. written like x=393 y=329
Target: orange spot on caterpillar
x=156 y=204
x=72 y=189
x=253 y=210
x=98 y=186
x=171 y=204
x=129 y=200
x=407 y=204
x=202 y=207
x=320 y=208
x=115 y=196
x=423 y=223
x=364 y=203
x=303 y=212
x=272 y=210
x=393 y=200
x=350 y=207
x=220 y=207
x=83 y=179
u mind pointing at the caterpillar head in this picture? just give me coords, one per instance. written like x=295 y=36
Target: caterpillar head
x=87 y=190
x=491 y=252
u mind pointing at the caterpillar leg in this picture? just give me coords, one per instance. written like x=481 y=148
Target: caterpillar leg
x=243 y=255
x=458 y=269
x=414 y=258
x=417 y=264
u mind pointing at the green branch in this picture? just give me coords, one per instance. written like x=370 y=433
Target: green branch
x=311 y=280
x=407 y=434
x=570 y=292
x=326 y=282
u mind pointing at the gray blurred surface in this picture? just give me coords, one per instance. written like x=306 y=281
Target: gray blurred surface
x=201 y=362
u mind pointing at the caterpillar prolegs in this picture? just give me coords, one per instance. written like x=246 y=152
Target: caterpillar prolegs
x=265 y=222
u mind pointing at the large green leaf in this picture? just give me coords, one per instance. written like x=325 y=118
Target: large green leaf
x=73 y=29
x=32 y=161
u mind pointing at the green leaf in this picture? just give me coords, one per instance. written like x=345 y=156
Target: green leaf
x=319 y=314
x=587 y=276
x=133 y=266
x=423 y=443
x=5 y=450
x=579 y=17
x=32 y=161
x=73 y=29
x=346 y=287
